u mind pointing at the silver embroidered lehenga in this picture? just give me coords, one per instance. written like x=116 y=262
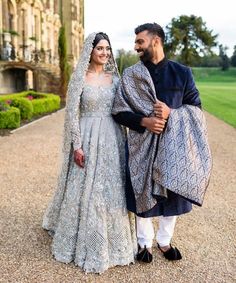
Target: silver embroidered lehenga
x=87 y=216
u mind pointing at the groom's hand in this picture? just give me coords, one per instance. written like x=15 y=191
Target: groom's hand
x=153 y=124
x=161 y=110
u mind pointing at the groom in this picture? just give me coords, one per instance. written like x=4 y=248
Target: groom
x=167 y=85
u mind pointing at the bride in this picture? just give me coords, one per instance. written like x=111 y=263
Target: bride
x=87 y=216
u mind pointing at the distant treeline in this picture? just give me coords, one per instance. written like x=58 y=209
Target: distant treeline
x=125 y=59
x=189 y=42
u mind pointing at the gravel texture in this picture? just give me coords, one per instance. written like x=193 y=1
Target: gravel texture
x=29 y=162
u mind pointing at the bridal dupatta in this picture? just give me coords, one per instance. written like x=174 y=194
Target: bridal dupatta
x=71 y=135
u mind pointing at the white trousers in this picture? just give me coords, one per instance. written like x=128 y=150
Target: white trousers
x=145 y=231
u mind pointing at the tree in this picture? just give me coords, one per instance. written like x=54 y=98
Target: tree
x=63 y=63
x=224 y=58
x=233 y=58
x=125 y=59
x=188 y=38
x=209 y=61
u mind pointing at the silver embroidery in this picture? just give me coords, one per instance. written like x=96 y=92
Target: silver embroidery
x=183 y=163
x=87 y=215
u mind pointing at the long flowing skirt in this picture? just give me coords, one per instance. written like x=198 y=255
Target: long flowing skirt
x=93 y=228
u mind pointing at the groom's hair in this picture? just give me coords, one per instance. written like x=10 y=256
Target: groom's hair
x=153 y=28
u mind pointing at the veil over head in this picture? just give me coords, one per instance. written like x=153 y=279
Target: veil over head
x=75 y=89
x=77 y=80
x=76 y=85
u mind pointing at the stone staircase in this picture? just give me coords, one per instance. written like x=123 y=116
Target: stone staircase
x=50 y=69
x=46 y=76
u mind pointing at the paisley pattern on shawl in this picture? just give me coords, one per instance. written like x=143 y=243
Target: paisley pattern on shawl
x=183 y=163
x=87 y=216
x=136 y=93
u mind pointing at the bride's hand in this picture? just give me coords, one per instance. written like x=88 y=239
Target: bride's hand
x=79 y=157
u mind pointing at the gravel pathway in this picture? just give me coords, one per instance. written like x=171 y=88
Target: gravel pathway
x=29 y=162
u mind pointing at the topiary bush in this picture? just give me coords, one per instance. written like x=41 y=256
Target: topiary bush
x=9 y=118
x=25 y=106
x=31 y=103
x=48 y=103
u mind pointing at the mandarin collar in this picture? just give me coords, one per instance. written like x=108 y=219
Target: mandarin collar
x=156 y=67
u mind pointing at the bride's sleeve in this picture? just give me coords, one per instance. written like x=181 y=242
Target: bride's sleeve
x=75 y=130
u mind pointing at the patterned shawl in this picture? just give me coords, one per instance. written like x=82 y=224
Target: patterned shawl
x=183 y=163
x=149 y=176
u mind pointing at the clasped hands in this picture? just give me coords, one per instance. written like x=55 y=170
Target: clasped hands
x=157 y=123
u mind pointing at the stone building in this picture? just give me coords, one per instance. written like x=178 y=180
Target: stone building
x=29 y=31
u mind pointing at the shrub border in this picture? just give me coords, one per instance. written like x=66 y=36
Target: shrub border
x=45 y=103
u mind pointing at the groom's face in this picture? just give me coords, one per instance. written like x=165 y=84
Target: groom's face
x=144 y=46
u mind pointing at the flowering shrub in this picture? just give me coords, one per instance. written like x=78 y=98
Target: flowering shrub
x=29 y=104
x=3 y=106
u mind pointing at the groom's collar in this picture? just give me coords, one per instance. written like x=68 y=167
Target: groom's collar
x=156 y=67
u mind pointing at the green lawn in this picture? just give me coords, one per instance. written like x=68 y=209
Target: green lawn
x=218 y=92
x=214 y=75
x=219 y=99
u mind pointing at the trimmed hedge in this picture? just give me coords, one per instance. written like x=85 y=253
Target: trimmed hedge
x=45 y=105
x=41 y=102
x=31 y=103
x=25 y=106
x=10 y=119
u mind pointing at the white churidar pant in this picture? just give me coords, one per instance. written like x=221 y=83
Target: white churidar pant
x=145 y=230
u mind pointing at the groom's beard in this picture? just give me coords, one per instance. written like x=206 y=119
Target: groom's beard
x=147 y=56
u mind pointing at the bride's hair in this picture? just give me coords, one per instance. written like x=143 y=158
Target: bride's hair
x=99 y=36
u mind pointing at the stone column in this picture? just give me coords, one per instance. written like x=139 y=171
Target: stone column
x=81 y=24
x=5 y=15
x=67 y=22
x=1 y=28
x=15 y=27
x=44 y=32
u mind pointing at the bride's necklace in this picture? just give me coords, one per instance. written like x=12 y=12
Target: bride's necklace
x=95 y=73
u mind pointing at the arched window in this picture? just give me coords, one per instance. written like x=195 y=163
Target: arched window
x=8 y=15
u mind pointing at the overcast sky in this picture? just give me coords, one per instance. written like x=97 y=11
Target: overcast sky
x=118 y=18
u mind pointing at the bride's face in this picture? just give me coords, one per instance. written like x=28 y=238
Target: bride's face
x=101 y=52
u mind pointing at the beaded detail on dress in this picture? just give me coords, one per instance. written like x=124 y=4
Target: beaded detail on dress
x=87 y=215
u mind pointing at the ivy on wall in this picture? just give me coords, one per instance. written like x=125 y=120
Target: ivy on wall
x=65 y=69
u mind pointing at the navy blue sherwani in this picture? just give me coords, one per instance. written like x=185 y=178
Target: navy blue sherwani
x=174 y=86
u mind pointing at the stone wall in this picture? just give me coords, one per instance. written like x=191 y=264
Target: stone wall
x=29 y=33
